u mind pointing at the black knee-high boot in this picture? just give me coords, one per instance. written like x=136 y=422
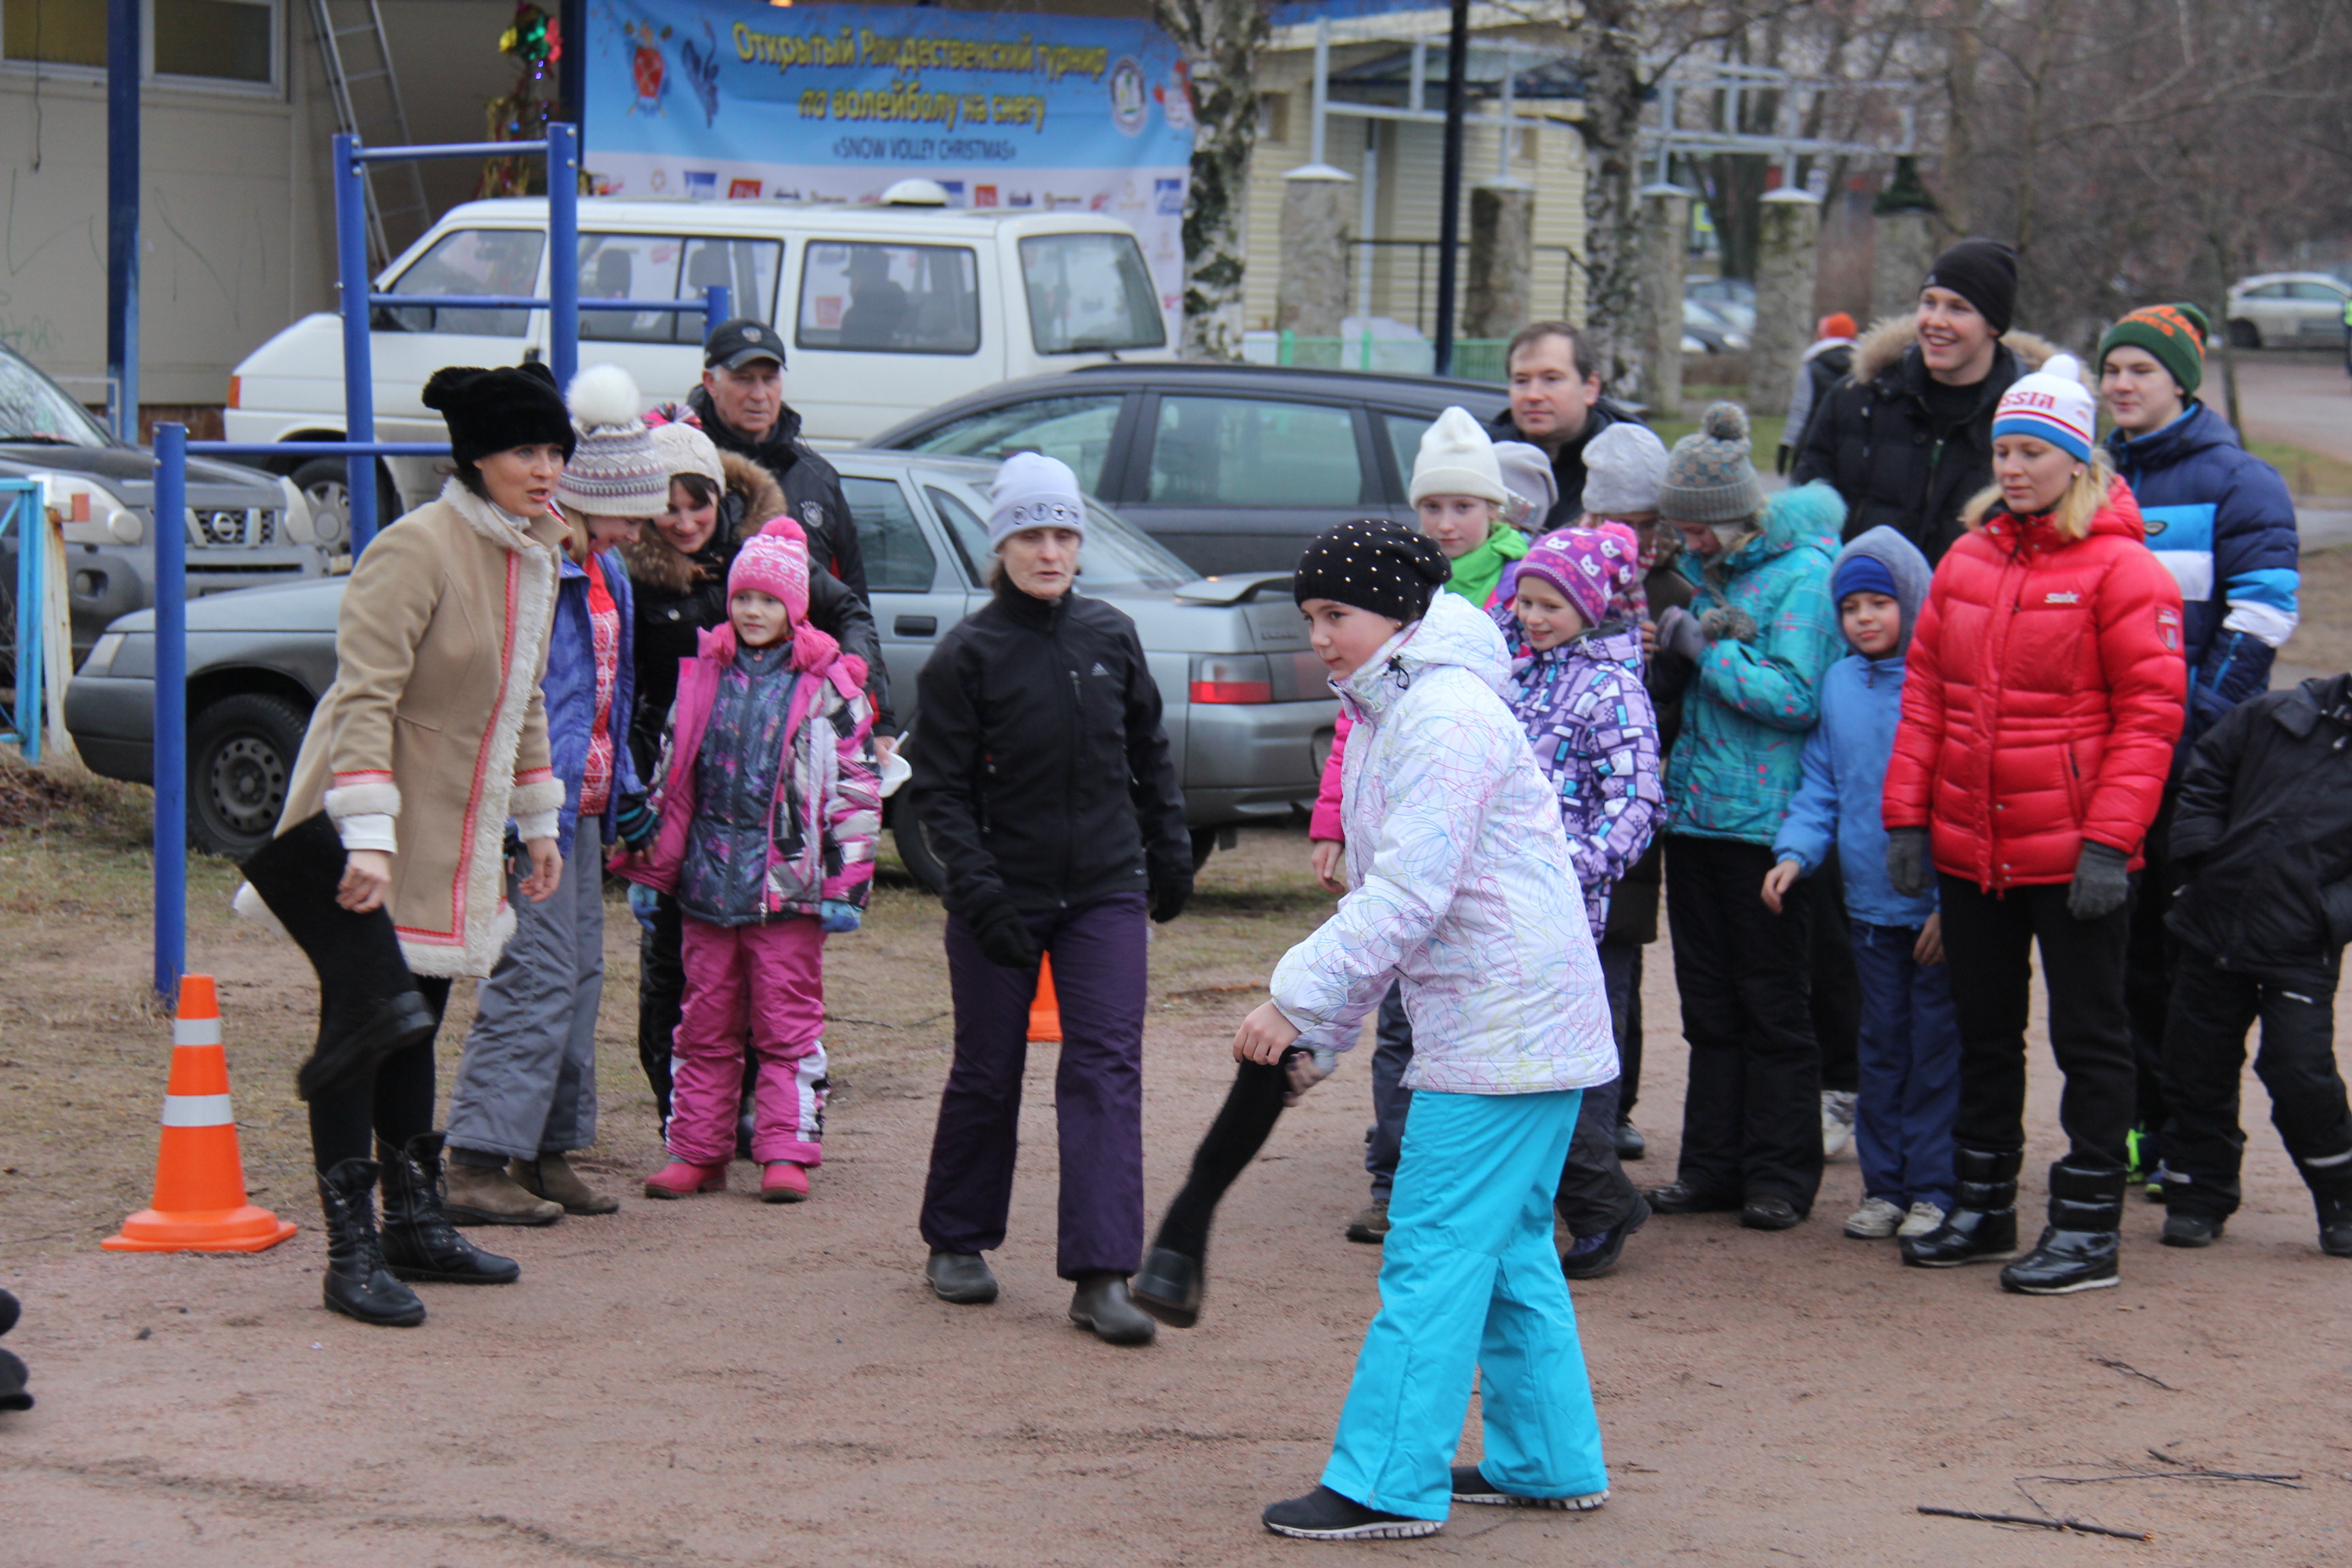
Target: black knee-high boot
x=357 y=1283
x=1169 y=1285
x=368 y=1002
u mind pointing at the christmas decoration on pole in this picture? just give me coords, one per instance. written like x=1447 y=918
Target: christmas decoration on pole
x=535 y=40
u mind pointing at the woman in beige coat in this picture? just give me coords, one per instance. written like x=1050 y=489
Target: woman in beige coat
x=389 y=864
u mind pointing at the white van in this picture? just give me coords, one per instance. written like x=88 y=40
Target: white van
x=888 y=309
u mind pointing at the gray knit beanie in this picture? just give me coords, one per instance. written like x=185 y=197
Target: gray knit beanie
x=1709 y=478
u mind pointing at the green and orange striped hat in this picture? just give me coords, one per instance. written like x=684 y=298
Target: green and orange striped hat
x=2175 y=334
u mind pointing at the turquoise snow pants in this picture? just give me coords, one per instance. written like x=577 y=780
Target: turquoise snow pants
x=1469 y=1282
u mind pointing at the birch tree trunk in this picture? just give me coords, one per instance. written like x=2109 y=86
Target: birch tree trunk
x=1613 y=91
x=1220 y=39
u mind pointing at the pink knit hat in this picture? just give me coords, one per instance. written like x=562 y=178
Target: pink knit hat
x=775 y=561
x=1588 y=565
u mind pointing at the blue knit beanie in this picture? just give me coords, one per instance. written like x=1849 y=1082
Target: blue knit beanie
x=1862 y=575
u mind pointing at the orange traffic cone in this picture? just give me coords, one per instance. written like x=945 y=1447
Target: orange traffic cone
x=1044 y=1009
x=200 y=1204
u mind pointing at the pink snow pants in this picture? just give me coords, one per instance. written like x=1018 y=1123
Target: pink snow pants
x=767 y=979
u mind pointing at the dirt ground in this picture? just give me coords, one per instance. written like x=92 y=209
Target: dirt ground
x=717 y=1383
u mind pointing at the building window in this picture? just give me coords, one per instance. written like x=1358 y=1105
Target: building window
x=1274 y=116
x=212 y=43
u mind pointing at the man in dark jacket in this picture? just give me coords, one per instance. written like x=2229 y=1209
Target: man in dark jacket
x=2265 y=828
x=1556 y=405
x=1907 y=439
x=2220 y=519
x=740 y=407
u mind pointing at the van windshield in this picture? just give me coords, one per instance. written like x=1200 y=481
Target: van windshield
x=1089 y=293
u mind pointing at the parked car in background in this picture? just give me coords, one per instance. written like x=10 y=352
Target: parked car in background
x=1249 y=712
x=2288 y=309
x=888 y=308
x=1232 y=467
x=243 y=526
x=1731 y=301
x=1705 y=331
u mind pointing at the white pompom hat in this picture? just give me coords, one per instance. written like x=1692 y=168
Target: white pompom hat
x=615 y=471
x=1457 y=458
x=2052 y=404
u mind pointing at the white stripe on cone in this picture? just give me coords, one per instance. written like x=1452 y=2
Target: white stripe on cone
x=197 y=1111
x=196 y=1032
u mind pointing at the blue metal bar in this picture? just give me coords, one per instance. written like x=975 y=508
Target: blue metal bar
x=359 y=367
x=563 y=247
x=447 y=150
x=718 y=305
x=170 y=706
x=531 y=303
x=122 y=54
x=32 y=562
x=322 y=448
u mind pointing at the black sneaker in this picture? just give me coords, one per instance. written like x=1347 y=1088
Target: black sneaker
x=1770 y=1213
x=1470 y=1486
x=1324 y=1515
x=1592 y=1257
x=1631 y=1145
x=2190 y=1230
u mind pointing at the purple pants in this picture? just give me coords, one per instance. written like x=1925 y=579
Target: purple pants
x=770 y=979
x=1098 y=951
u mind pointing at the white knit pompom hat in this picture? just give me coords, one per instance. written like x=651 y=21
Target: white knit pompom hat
x=2052 y=404
x=1457 y=458
x=613 y=471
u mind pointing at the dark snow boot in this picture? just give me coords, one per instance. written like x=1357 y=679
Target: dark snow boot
x=419 y=1242
x=357 y=1284
x=1982 y=1226
x=1174 y=1272
x=1102 y=1305
x=13 y=1374
x=2079 y=1247
x=2182 y=1229
x=2335 y=1226
x=368 y=1002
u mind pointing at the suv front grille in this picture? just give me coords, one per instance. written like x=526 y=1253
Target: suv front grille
x=235 y=526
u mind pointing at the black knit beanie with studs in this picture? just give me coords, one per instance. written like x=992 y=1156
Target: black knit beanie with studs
x=1385 y=568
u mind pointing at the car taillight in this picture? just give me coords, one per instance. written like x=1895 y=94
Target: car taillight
x=236 y=391
x=1232 y=678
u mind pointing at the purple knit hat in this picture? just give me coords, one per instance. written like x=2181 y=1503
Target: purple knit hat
x=1588 y=565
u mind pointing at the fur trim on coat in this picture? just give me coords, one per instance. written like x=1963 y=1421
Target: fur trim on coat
x=653 y=562
x=1877 y=350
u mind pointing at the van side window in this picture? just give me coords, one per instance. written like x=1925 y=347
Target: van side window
x=899 y=559
x=468 y=261
x=1077 y=430
x=889 y=298
x=1089 y=293
x=671 y=267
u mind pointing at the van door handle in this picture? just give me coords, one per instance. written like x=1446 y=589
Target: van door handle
x=914 y=625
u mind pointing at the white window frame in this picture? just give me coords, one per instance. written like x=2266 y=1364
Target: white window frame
x=274 y=87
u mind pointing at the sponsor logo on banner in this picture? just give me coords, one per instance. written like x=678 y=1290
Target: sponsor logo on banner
x=1130 y=104
x=702 y=184
x=983 y=195
x=742 y=189
x=1167 y=196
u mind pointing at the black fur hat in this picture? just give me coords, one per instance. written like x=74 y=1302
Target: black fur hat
x=492 y=410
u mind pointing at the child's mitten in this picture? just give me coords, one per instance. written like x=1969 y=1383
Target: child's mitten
x=839 y=916
x=1906 y=860
x=634 y=822
x=1721 y=623
x=642 y=902
x=1679 y=632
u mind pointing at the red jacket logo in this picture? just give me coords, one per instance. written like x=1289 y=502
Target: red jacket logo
x=2167 y=627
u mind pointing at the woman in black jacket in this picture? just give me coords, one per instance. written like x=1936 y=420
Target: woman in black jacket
x=1047 y=790
x=678 y=568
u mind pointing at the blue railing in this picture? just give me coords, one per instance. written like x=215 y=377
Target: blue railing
x=20 y=509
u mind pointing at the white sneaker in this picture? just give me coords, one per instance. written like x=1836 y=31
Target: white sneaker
x=1924 y=1218
x=1875 y=1220
x=1837 y=1120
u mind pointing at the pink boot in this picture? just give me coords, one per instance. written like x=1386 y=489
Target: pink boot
x=680 y=1180
x=784 y=1182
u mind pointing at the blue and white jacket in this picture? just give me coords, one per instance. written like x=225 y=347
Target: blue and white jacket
x=2219 y=520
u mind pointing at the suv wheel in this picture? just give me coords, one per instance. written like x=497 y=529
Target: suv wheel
x=241 y=752
x=915 y=853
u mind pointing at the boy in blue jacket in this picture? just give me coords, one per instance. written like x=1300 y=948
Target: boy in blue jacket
x=1910 y=1036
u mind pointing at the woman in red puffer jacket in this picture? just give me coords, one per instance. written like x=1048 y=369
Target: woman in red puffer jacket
x=2044 y=699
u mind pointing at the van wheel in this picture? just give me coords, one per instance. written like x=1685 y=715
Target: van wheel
x=325 y=483
x=915 y=854
x=2244 y=336
x=241 y=752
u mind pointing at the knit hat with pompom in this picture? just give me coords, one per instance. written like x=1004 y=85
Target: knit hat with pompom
x=1588 y=565
x=775 y=561
x=2052 y=404
x=1709 y=476
x=613 y=471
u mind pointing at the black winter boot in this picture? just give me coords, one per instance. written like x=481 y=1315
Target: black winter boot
x=368 y=1002
x=2079 y=1247
x=13 y=1374
x=419 y=1242
x=2335 y=1226
x=357 y=1284
x=1982 y=1226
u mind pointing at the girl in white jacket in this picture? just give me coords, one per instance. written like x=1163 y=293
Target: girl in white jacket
x=1465 y=893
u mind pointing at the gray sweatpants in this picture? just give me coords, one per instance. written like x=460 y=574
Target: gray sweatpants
x=527 y=1083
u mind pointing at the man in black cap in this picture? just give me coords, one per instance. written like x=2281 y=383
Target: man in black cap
x=1906 y=438
x=740 y=407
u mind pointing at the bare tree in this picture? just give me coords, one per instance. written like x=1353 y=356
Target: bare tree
x=1221 y=39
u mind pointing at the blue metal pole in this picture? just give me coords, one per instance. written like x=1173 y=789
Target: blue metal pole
x=122 y=61
x=718 y=305
x=32 y=557
x=170 y=706
x=359 y=368
x=563 y=249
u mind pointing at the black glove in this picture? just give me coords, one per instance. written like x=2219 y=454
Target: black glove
x=1906 y=860
x=1168 y=896
x=633 y=821
x=2101 y=882
x=1005 y=940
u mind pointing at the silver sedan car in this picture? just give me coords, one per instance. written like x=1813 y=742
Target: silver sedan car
x=1248 y=711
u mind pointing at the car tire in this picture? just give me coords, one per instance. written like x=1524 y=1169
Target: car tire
x=325 y=483
x=915 y=852
x=241 y=752
x=2244 y=334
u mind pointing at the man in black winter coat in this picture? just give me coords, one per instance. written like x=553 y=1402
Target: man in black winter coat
x=2264 y=828
x=1556 y=406
x=740 y=407
x=1907 y=438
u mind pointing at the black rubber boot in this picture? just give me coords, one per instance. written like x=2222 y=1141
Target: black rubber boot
x=1167 y=1286
x=2335 y=1226
x=962 y=1278
x=368 y=1002
x=1102 y=1305
x=2079 y=1248
x=419 y=1242
x=2189 y=1229
x=13 y=1374
x=1982 y=1226
x=1174 y=1272
x=357 y=1284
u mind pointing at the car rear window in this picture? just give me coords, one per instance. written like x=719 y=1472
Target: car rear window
x=468 y=261
x=1117 y=556
x=1077 y=430
x=889 y=298
x=1247 y=452
x=1090 y=293
x=898 y=557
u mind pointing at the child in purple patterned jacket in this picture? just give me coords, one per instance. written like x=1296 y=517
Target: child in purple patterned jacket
x=1576 y=685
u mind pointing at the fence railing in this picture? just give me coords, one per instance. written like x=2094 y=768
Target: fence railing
x=1475 y=359
x=1552 y=287
x=21 y=516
